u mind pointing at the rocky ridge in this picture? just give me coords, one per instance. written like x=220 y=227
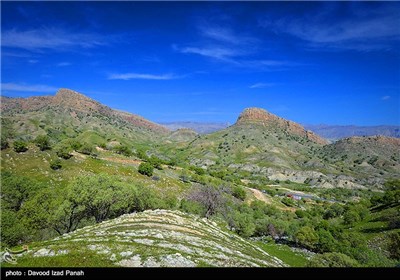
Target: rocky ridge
x=159 y=238
x=261 y=116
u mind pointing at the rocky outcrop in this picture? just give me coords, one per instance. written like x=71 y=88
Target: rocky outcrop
x=261 y=116
x=159 y=238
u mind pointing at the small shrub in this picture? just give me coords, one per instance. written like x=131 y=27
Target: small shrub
x=20 y=146
x=239 y=193
x=43 y=142
x=146 y=168
x=56 y=164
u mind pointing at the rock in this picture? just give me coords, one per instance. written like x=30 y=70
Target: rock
x=44 y=253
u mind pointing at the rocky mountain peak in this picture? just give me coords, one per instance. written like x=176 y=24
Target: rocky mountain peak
x=267 y=119
x=255 y=115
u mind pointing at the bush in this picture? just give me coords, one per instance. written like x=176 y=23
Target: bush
x=155 y=162
x=199 y=171
x=64 y=151
x=55 y=164
x=123 y=150
x=87 y=149
x=43 y=142
x=20 y=146
x=146 y=168
x=239 y=193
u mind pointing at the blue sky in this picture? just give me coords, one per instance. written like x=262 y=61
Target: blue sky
x=310 y=62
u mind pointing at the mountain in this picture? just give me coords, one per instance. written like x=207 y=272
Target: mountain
x=199 y=127
x=258 y=137
x=70 y=114
x=265 y=144
x=335 y=132
x=157 y=238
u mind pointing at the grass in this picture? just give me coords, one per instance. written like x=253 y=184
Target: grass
x=284 y=253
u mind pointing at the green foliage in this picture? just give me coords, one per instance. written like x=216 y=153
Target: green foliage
x=243 y=224
x=146 y=168
x=141 y=154
x=55 y=164
x=192 y=207
x=20 y=146
x=155 y=162
x=198 y=170
x=87 y=149
x=15 y=190
x=351 y=217
x=288 y=201
x=239 y=193
x=43 y=142
x=307 y=237
x=64 y=151
x=332 y=260
x=123 y=150
x=13 y=230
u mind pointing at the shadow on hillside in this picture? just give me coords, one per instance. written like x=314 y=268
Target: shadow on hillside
x=376 y=230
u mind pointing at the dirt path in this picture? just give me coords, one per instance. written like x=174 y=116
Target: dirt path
x=122 y=160
x=260 y=196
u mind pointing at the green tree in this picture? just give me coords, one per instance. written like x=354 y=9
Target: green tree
x=43 y=142
x=351 y=217
x=307 y=237
x=155 y=162
x=244 y=224
x=146 y=168
x=50 y=209
x=332 y=260
x=13 y=230
x=20 y=146
x=15 y=190
x=100 y=196
x=239 y=193
x=141 y=154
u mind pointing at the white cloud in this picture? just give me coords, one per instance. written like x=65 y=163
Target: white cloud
x=370 y=30
x=27 y=88
x=33 y=61
x=262 y=85
x=221 y=53
x=130 y=76
x=386 y=97
x=61 y=64
x=50 y=38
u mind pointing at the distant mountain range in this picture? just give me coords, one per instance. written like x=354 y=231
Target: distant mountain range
x=199 y=127
x=330 y=132
x=335 y=132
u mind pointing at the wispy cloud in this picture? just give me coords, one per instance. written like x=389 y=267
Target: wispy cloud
x=51 y=38
x=62 y=64
x=262 y=85
x=386 y=97
x=33 y=61
x=27 y=88
x=130 y=76
x=217 y=52
x=225 y=45
x=367 y=31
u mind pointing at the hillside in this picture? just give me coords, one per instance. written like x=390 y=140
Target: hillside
x=157 y=238
x=262 y=143
x=69 y=114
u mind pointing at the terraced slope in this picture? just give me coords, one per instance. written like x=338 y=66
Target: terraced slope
x=156 y=238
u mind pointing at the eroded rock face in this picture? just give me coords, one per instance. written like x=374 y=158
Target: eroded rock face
x=161 y=238
x=261 y=116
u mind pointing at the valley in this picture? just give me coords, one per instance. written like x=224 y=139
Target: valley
x=86 y=185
